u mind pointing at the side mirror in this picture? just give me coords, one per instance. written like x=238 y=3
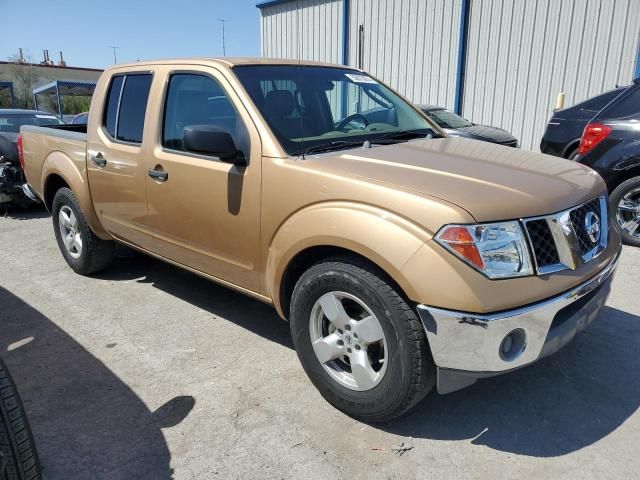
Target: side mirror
x=212 y=140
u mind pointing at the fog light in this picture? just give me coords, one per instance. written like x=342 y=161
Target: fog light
x=513 y=344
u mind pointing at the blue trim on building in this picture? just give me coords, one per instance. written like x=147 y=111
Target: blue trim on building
x=270 y=3
x=636 y=74
x=462 y=54
x=345 y=32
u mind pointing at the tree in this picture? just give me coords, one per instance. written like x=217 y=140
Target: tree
x=24 y=76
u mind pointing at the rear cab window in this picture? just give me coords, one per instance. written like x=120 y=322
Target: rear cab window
x=126 y=105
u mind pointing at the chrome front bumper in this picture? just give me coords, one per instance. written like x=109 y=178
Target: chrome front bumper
x=468 y=346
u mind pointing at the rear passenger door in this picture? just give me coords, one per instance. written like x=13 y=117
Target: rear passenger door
x=115 y=163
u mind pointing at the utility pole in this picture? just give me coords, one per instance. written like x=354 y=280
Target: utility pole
x=224 y=50
x=115 y=59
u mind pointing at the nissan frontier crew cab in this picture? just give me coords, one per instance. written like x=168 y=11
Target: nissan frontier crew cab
x=404 y=260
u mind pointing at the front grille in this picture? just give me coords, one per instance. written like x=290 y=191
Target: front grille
x=544 y=247
x=563 y=240
x=578 y=217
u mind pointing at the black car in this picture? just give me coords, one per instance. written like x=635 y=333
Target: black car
x=11 y=175
x=562 y=136
x=611 y=146
x=456 y=126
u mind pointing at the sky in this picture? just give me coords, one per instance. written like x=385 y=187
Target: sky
x=142 y=29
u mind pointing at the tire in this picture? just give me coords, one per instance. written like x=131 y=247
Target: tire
x=409 y=373
x=91 y=254
x=628 y=190
x=17 y=449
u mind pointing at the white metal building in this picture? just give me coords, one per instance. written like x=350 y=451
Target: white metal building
x=497 y=62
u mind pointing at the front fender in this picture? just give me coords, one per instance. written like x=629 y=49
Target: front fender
x=74 y=173
x=386 y=239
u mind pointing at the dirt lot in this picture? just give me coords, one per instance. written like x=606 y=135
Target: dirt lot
x=146 y=371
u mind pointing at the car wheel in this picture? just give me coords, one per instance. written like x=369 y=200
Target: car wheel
x=361 y=344
x=81 y=248
x=18 y=456
x=625 y=207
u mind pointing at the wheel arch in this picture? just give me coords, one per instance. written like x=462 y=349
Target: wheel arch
x=571 y=146
x=626 y=174
x=60 y=171
x=368 y=234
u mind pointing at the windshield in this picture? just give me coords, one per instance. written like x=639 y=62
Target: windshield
x=307 y=107
x=446 y=119
x=11 y=123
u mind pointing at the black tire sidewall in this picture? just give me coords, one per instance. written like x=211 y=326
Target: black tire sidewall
x=617 y=194
x=393 y=388
x=15 y=426
x=65 y=197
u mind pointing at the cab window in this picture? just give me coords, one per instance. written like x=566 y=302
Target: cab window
x=197 y=99
x=126 y=106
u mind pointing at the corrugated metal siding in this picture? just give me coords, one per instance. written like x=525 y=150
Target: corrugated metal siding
x=521 y=53
x=410 y=44
x=307 y=29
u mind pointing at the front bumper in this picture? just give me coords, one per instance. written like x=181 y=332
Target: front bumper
x=468 y=346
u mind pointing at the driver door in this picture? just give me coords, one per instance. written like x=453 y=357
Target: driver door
x=203 y=212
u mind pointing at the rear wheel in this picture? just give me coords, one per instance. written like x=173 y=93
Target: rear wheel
x=85 y=252
x=18 y=457
x=625 y=206
x=359 y=341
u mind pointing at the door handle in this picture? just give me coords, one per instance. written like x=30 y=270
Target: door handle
x=157 y=174
x=99 y=160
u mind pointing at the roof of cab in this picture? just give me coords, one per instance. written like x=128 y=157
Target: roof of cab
x=230 y=62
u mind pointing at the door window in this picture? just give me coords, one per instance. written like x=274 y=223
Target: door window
x=194 y=99
x=126 y=106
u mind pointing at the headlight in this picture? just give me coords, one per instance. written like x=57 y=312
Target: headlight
x=498 y=250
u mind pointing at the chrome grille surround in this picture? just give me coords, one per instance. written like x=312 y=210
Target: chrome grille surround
x=571 y=249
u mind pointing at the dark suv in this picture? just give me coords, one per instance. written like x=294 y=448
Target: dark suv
x=610 y=145
x=562 y=136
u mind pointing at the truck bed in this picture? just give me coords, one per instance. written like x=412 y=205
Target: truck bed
x=48 y=144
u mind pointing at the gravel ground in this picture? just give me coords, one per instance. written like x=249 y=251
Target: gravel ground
x=148 y=372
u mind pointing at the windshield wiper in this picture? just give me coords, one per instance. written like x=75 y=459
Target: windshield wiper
x=327 y=147
x=404 y=135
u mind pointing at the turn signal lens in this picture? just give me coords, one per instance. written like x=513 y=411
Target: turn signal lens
x=593 y=134
x=498 y=250
x=459 y=240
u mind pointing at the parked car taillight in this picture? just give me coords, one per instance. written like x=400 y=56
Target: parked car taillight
x=593 y=134
x=20 y=152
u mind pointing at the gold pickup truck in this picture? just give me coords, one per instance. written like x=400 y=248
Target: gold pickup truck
x=403 y=259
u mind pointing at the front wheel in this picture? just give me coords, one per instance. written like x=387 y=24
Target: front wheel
x=625 y=206
x=359 y=341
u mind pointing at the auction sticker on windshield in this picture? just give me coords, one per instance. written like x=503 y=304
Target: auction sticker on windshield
x=360 y=78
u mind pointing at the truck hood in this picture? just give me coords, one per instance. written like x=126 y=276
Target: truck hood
x=490 y=181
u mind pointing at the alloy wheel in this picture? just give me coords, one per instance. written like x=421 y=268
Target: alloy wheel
x=70 y=231
x=628 y=213
x=348 y=341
